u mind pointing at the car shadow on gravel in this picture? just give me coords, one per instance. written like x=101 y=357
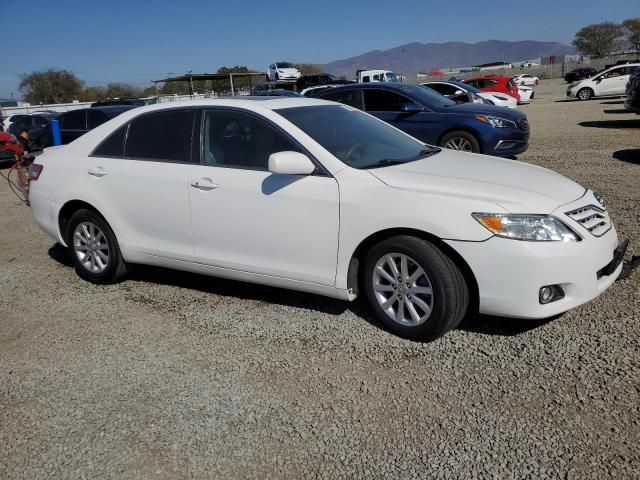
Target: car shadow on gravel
x=481 y=324
x=632 y=123
x=501 y=326
x=613 y=102
x=623 y=110
x=629 y=155
x=231 y=288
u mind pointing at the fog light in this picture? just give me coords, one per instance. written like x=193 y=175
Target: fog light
x=550 y=293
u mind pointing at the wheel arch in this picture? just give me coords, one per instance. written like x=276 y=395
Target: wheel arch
x=67 y=211
x=356 y=262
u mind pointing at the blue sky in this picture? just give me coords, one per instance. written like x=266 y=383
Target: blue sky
x=136 y=41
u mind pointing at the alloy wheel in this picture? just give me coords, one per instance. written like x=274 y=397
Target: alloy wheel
x=403 y=289
x=91 y=247
x=459 y=143
x=584 y=94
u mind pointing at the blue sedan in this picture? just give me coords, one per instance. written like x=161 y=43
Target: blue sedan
x=437 y=120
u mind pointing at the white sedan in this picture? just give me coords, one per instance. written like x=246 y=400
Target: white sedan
x=527 y=80
x=320 y=197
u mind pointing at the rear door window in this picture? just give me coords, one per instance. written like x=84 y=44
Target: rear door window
x=162 y=136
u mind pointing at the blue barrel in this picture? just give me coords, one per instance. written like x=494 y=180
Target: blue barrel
x=55 y=132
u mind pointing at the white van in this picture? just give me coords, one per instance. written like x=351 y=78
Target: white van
x=366 y=76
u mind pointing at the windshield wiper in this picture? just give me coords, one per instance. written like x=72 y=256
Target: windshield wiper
x=386 y=163
x=428 y=152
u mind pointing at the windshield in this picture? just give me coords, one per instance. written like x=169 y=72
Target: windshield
x=426 y=96
x=466 y=86
x=283 y=65
x=356 y=138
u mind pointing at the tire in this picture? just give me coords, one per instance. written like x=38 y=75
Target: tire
x=466 y=140
x=267 y=78
x=584 y=94
x=448 y=300
x=89 y=232
x=277 y=77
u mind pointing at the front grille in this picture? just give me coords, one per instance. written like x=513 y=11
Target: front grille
x=592 y=218
x=523 y=123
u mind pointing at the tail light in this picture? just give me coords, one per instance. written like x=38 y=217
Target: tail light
x=35 y=169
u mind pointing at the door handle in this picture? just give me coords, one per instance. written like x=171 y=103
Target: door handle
x=97 y=172
x=203 y=184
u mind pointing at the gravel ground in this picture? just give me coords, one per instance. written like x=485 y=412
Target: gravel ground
x=172 y=375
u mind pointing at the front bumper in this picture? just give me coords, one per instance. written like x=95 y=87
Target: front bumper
x=505 y=142
x=510 y=273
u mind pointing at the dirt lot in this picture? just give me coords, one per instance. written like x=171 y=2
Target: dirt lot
x=172 y=375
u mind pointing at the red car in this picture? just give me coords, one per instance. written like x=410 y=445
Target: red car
x=10 y=147
x=495 y=83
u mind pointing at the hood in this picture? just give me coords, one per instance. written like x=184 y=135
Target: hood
x=517 y=187
x=483 y=109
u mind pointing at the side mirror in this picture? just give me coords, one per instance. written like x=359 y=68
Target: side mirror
x=410 y=108
x=458 y=92
x=291 y=163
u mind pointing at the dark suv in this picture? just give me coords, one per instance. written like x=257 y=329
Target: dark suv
x=633 y=92
x=580 y=74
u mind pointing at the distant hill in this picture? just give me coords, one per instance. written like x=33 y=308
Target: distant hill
x=415 y=57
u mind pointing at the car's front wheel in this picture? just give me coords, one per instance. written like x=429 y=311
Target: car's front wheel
x=585 y=94
x=94 y=249
x=414 y=288
x=460 y=140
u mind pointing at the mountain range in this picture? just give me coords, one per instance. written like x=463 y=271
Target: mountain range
x=416 y=57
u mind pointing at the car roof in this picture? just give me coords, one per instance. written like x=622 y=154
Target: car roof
x=243 y=101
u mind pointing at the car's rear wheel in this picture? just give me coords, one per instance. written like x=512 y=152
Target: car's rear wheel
x=94 y=249
x=414 y=288
x=585 y=94
x=460 y=140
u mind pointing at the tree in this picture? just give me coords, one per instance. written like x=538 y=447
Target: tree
x=308 y=68
x=122 y=90
x=50 y=86
x=236 y=69
x=631 y=31
x=598 y=39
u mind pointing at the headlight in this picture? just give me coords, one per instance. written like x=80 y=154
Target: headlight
x=13 y=139
x=538 y=228
x=496 y=121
